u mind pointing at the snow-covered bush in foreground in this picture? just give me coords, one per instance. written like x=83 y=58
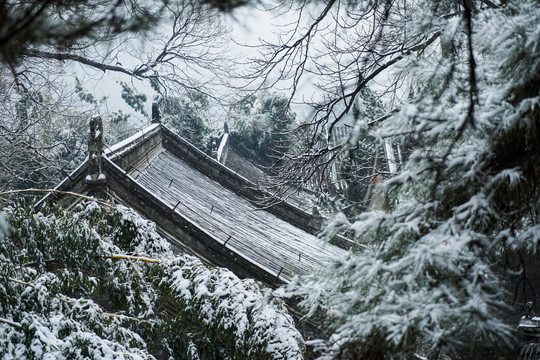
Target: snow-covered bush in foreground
x=102 y=284
x=240 y=317
x=432 y=279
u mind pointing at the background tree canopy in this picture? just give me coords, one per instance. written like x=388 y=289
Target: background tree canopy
x=188 y=117
x=261 y=124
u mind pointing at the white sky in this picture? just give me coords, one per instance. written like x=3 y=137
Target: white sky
x=248 y=24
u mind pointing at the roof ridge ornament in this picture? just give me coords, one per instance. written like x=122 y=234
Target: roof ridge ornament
x=95 y=148
x=223 y=149
x=156 y=116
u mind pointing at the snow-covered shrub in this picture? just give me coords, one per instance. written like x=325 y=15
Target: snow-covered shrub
x=99 y=283
x=246 y=321
x=52 y=264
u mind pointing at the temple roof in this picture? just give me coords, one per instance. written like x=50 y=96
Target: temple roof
x=204 y=208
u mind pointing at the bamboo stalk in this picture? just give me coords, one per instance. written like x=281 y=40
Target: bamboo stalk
x=11 y=323
x=128 y=257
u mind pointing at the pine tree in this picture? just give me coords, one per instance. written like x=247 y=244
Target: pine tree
x=429 y=277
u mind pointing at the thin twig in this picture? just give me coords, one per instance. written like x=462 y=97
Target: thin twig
x=11 y=192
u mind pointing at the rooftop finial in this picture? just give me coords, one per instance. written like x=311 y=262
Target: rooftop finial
x=156 y=116
x=95 y=149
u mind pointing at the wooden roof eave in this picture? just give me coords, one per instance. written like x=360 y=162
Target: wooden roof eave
x=74 y=183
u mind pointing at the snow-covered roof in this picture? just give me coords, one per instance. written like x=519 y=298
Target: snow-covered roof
x=260 y=237
x=208 y=210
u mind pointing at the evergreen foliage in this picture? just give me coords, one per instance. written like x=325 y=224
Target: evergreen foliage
x=430 y=278
x=261 y=124
x=135 y=100
x=100 y=283
x=188 y=117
